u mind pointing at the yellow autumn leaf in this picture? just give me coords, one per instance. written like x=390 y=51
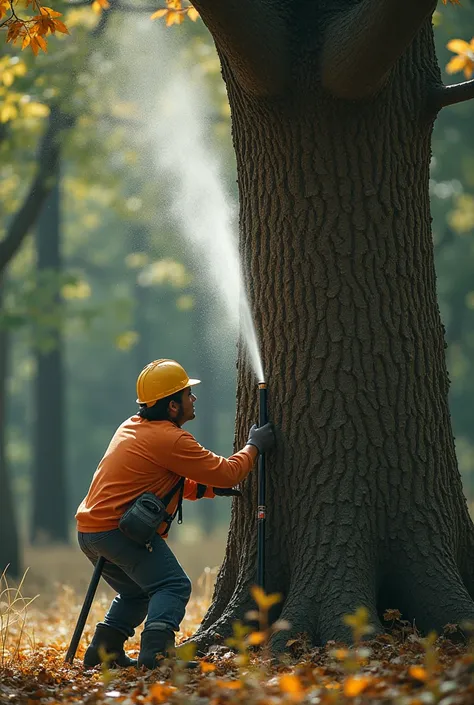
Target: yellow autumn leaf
x=186 y=652
x=355 y=685
x=33 y=109
x=174 y=17
x=159 y=13
x=456 y=64
x=7 y=77
x=136 y=260
x=358 y=619
x=263 y=600
x=8 y=112
x=193 y=14
x=256 y=638
x=419 y=673
x=126 y=341
x=77 y=290
x=99 y=5
x=459 y=46
x=185 y=303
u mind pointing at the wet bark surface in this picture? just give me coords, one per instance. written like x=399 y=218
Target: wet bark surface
x=365 y=502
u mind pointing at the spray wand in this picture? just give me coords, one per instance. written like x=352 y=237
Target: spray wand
x=261 y=500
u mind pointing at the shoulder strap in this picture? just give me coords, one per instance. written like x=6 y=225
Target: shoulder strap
x=179 y=507
x=168 y=497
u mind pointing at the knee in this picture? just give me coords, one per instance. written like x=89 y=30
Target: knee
x=186 y=587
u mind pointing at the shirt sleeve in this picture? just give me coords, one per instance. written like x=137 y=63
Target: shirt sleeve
x=195 y=490
x=189 y=459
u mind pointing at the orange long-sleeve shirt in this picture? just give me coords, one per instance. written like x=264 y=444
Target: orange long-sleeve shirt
x=151 y=456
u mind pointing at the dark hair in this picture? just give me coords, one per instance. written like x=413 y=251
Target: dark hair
x=159 y=410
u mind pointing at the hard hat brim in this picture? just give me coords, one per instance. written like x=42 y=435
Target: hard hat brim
x=190 y=383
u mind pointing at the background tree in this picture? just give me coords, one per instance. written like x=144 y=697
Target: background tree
x=50 y=521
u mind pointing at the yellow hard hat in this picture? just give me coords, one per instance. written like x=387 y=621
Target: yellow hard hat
x=160 y=379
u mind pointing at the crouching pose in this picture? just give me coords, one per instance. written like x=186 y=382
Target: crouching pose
x=150 y=452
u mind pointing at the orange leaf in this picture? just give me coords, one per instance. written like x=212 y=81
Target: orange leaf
x=60 y=27
x=34 y=46
x=291 y=684
x=231 y=685
x=340 y=654
x=419 y=673
x=160 y=692
x=48 y=11
x=26 y=41
x=256 y=638
x=207 y=667
x=355 y=685
x=42 y=42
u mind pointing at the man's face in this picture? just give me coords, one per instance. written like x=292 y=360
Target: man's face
x=185 y=411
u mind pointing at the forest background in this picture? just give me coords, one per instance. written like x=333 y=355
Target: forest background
x=122 y=123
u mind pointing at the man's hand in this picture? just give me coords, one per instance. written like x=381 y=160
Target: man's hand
x=263 y=437
x=226 y=492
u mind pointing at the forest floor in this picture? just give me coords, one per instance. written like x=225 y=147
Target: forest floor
x=399 y=667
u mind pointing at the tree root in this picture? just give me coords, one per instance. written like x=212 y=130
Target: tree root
x=432 y=594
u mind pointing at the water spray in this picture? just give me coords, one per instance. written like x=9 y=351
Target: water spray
x=261 y=499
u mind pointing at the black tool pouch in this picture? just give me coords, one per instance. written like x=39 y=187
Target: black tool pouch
x=141 y=520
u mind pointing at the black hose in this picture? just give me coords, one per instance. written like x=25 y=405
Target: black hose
x=261 y=499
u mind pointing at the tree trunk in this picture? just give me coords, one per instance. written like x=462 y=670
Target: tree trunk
x=50 y=506
x=365 y=501
x=9 y=544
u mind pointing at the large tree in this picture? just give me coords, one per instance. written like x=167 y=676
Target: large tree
x=333 y=105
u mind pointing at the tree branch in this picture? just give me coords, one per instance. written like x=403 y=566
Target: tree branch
x=48 y=163
x=450 y=95
x=253 y=36
x=47 y=173
x=363 y=44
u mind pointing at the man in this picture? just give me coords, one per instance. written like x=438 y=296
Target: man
x=150 y=452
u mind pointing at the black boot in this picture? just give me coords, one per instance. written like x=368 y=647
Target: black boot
x=112 y=641
x=155 y=645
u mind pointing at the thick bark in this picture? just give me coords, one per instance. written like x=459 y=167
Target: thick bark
x=362 y=45
x=9 y=544
x=50 y=507
x=365 y=502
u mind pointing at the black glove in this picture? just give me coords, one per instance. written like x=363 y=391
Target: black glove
x=226 y=492
x=263 y=437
